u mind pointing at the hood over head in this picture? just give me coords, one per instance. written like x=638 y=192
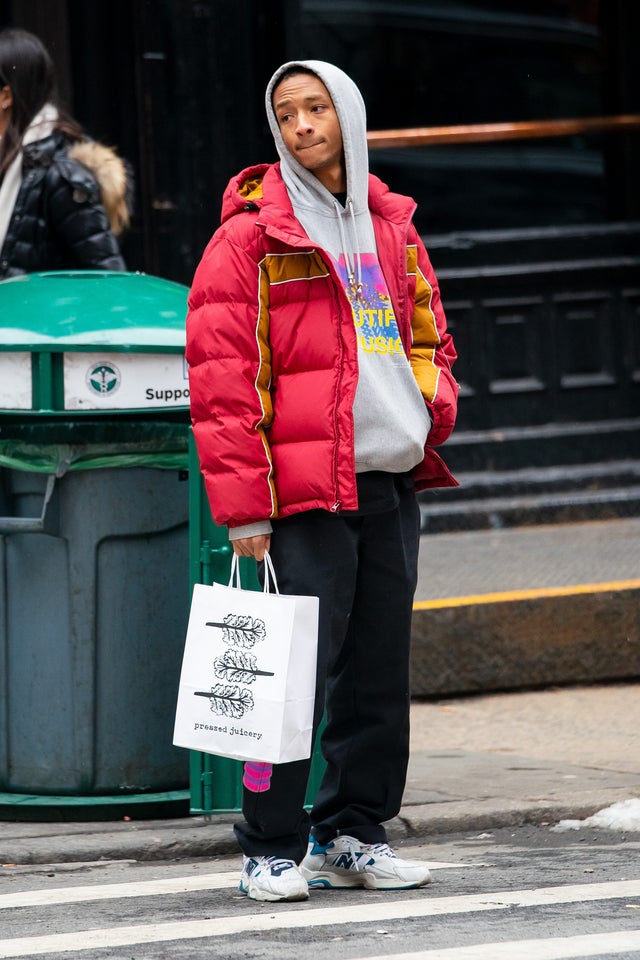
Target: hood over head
x=304 y=188
x=344 y=231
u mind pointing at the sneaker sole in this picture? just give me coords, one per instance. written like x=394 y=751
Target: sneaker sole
x=333 y=881
x=268 y=897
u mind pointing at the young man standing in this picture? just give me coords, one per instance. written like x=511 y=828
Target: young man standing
x=320 y=368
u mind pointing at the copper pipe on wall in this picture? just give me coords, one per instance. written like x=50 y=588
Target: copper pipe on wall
x=490 y=132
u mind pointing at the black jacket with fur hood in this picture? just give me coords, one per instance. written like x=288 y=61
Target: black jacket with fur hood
x=72 y=203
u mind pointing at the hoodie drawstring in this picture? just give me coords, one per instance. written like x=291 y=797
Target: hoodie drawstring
x=354 y=263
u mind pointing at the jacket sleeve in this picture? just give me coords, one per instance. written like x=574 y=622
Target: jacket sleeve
x=78 y=218
x=432 y=351
x=229 y=376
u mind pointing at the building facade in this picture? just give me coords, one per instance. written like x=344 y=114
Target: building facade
x=535 y=235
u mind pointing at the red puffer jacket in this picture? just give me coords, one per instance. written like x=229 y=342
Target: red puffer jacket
x=272 y=353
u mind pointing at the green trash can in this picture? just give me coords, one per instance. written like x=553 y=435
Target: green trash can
x=216 y=782
x=94 y=543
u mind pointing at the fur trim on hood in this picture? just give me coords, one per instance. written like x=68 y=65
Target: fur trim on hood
x=111 y=173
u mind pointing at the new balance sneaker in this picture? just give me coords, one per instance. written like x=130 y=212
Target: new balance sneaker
x=270 y=878
x=346 y=862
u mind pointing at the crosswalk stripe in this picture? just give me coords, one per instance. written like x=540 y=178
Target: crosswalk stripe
x=555 y=948
x=142 y=888
x=308 y=915
x=119 y=891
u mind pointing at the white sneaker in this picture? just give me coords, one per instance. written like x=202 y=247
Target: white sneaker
x=346 y=862
x=271 y=878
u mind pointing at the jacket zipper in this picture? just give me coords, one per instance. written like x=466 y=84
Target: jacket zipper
x=338 y=502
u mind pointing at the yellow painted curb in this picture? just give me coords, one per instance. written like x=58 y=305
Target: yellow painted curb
x=511 y=595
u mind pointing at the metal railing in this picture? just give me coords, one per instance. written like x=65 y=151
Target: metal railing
x=493 y=132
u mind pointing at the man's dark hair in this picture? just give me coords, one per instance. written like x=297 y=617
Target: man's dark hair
x=291 y=72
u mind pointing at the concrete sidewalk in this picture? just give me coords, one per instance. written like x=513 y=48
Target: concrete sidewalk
x=546 y=556
x=476 y=764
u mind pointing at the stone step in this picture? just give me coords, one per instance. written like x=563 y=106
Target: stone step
x=553 y=445
x=494 y=512
x=492 y=498
x=562 y=477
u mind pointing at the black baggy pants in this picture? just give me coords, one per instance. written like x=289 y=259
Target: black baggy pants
x=364 y=570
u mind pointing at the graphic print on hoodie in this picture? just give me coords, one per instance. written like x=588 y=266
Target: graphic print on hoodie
x=373 y=315
x=391 y=420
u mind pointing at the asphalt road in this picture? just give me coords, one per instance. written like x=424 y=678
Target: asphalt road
x=515 y=894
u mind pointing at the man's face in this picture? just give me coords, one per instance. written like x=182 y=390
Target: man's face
x=310 y=127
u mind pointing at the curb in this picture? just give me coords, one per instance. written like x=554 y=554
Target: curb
x=197 y=838
x=536 y=638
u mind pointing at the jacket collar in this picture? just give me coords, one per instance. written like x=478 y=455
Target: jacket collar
x=276 y=212
x=262 y=186
x=41 y=153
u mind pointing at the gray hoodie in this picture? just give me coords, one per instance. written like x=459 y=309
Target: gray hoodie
x=391 y=420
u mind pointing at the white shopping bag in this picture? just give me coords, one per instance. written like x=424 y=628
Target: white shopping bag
x=247 y=684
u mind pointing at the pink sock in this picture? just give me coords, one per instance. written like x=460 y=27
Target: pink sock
x=257 y=776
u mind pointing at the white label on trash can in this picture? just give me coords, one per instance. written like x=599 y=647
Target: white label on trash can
x=125 y=381
x=15 y=381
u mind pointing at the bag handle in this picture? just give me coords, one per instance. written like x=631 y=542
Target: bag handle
x=234 y=579
x=269 y=574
